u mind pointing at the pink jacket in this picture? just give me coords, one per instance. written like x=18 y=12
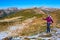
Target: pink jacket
x=49 y=19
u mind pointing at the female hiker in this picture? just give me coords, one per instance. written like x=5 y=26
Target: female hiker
x=49 y=21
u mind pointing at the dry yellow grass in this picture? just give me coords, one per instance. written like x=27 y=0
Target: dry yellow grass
x=34 y=27
x=32 y=30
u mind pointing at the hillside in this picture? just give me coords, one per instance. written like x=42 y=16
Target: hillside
x=56 y=17
x=26 y=13
x=31 y=22
x=29 y=13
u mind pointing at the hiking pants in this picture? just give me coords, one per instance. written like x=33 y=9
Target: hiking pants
x=48 y=27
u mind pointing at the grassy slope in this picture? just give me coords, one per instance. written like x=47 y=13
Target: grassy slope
x=56 y=17
x=27 y=13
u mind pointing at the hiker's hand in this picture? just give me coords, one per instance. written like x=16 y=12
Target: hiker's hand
x=51 y=22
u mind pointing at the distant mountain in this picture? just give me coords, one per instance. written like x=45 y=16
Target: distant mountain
x=48 y=10
x=8 y=11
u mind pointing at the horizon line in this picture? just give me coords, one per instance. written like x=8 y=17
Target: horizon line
x=28 y=7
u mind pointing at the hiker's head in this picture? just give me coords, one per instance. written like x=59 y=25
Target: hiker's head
x=49 y=16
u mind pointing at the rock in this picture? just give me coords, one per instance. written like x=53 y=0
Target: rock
x=5 y=38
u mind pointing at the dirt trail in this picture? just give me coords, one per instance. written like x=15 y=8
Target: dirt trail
x=11 y=19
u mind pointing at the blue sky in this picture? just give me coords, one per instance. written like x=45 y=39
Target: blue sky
x=29 y=3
